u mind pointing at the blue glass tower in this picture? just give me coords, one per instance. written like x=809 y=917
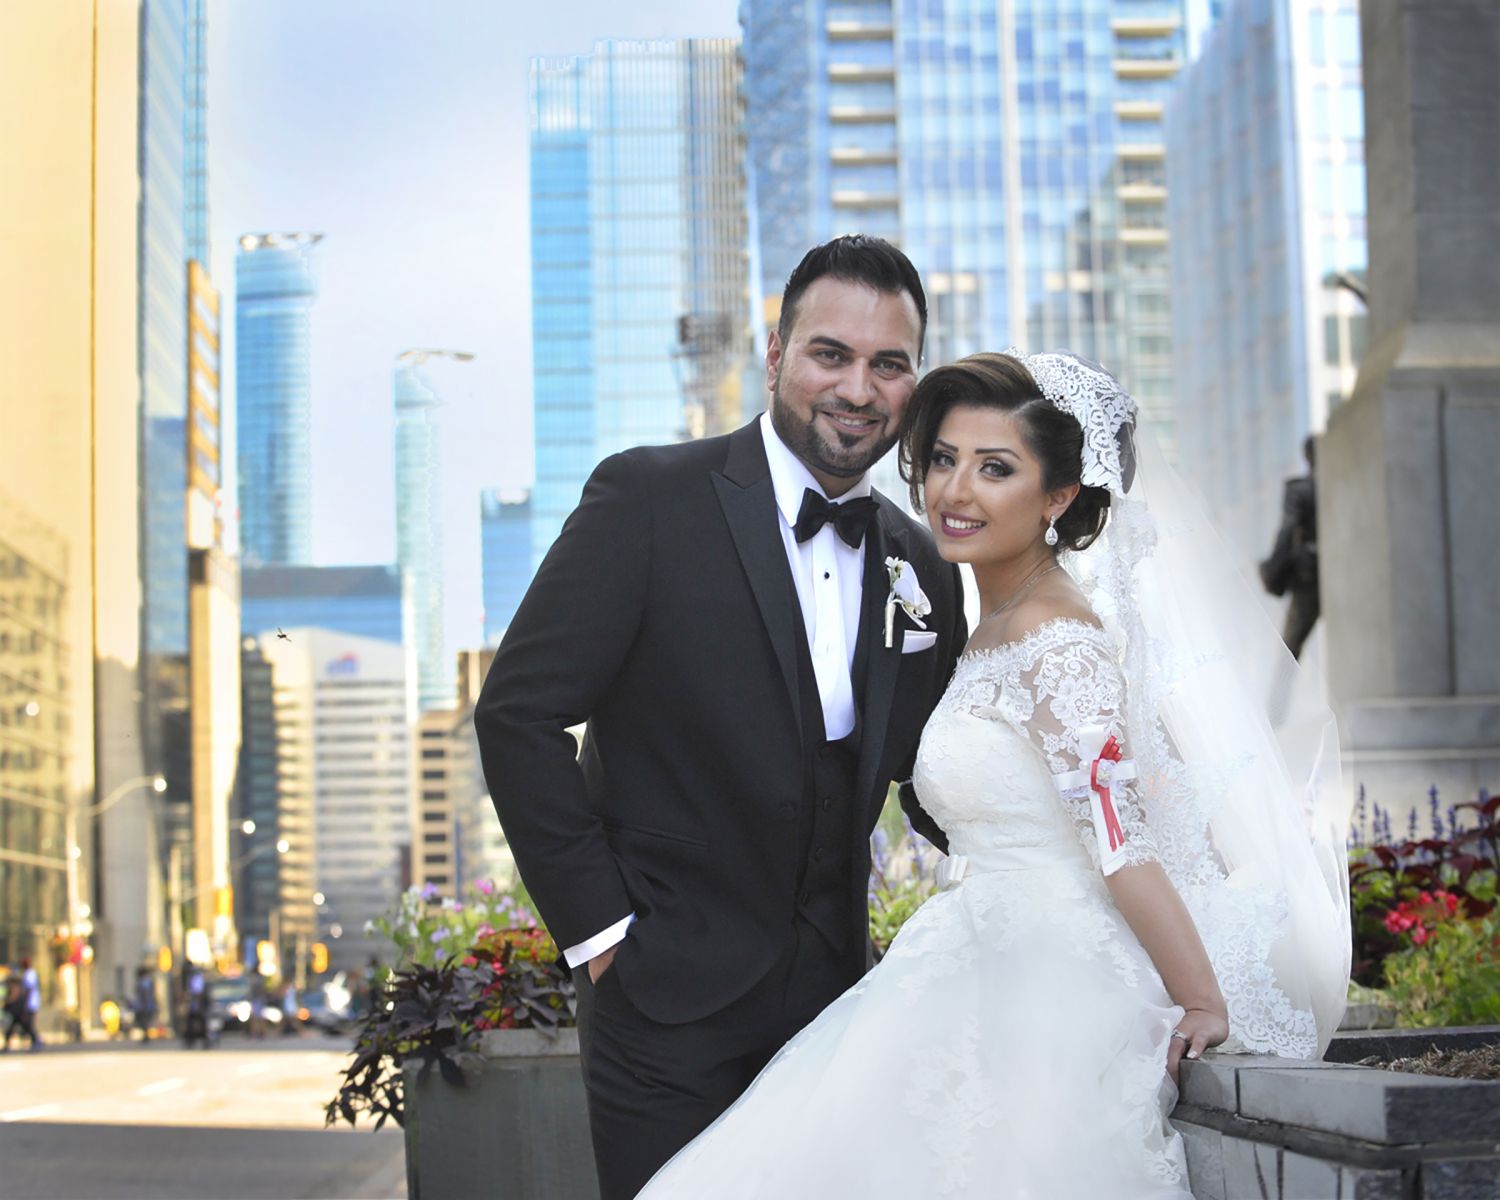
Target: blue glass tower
x=505 y=538
x=419 y=527
x=1265 y=144
x=1013 y=150
x=162 y=328
x=639 y=297
x=195 y=131
x=274 y=294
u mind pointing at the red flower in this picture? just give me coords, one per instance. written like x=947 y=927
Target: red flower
x=1419 y=934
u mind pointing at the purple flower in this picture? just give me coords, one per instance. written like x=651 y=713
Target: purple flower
x=430 y=892
x=438 y=935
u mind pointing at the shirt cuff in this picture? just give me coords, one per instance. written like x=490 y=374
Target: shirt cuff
x=577 y=955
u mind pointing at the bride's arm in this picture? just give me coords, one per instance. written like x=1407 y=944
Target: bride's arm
x=1161 y=922
x=1076 y=694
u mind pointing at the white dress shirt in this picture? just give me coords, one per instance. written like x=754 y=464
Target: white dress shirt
x=829 y=574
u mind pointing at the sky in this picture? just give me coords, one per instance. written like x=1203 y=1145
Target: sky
x=398 y=130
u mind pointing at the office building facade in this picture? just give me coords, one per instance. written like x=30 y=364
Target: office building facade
x=505 y=556
x=69 y=461
x=365 y=601
x=419 y=526
x=639 y=279
x=457 y=839
x=1013 y=150
x=1266 y=163
x=275 y=289
x=343 y=729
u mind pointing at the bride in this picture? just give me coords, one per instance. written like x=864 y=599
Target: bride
x=1142 y=866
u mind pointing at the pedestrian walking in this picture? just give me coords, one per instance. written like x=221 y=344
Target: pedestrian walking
x=195 y=1024
x=143 y=1005
x=1293 y=563
x=23 y=1001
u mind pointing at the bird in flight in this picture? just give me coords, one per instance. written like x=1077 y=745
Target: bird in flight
x=281 y=633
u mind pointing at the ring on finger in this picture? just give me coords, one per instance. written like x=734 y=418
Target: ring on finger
x=1177 y=1033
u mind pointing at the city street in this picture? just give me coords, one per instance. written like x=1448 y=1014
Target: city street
x=117 y=1121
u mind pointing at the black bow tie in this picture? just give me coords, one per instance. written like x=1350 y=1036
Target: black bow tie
x=850 y=518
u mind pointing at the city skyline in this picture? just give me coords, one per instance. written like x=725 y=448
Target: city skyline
x=413 y=165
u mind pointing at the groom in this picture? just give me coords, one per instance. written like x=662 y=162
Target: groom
x=722 y=627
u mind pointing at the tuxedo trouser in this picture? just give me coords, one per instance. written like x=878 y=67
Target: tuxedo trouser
x=652 y=1088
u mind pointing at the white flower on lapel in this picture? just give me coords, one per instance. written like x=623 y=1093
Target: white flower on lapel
x=908 y=593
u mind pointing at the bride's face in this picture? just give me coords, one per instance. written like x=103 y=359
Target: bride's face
x=983 y=491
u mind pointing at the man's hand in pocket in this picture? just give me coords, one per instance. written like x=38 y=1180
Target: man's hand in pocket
x=600 y=963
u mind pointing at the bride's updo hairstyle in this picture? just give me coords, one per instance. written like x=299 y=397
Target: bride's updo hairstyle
x=1055 y=439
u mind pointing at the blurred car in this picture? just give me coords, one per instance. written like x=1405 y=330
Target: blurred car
x=326 y=1006
x=230 y=1004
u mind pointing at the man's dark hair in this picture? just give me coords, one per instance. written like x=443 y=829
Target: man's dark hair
x=854 y=258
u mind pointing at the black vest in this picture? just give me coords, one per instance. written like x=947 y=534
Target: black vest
x=825 y=885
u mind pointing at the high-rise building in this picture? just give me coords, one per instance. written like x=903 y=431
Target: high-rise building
x=36 y=760
x=365 y=601
x=640 y=295
x=265 y=882
x=162 y=336
x=457 y=839
x=343 y=734
x=195 y=133
x=419 y=525
x=214 y=727
x=1013 y=150
x=71 y=415
x=505 y=556
x=1266 y=172
x=274 y=293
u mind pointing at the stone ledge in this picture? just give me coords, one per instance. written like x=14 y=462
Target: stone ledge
x=1373 y=1105
x=1257 y=1126
x=527 y=1043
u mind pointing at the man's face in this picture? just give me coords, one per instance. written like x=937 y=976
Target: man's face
x=840 y=383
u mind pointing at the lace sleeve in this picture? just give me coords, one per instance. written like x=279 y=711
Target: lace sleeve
x=1071 y=702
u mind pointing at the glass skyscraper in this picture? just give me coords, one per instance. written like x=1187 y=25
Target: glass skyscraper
x=505 y=556
x=419 y=527
x=640 y=310
x=195 y=132
x=274 y=294
x=1266 y=172
x=162 y=330
x=1013 y=149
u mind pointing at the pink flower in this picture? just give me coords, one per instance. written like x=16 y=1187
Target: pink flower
x=485 y=887
x=1419 y=935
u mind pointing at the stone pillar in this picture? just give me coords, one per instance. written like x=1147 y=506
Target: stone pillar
x=1409 y=507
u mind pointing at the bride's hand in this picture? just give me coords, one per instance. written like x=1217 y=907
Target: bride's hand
x=1196 y=1032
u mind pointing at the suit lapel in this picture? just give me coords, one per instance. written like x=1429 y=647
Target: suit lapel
x=749 y=504
x=881 y=663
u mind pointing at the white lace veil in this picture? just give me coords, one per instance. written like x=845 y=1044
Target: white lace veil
x=1238 y=757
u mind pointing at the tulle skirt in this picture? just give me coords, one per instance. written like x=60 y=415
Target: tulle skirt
x=1012 y=1044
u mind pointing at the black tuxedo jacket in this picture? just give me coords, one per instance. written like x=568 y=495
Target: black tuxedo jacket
x=665 y=615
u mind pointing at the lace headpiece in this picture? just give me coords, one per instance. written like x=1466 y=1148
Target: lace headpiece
x=1094 y=398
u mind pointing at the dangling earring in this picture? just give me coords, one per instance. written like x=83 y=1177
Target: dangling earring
x=1050 y=537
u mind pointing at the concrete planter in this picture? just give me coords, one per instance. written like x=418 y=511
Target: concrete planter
x=517 y=1130
x=1266 y=1127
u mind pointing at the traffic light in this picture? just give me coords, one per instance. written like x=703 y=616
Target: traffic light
x=319 y=962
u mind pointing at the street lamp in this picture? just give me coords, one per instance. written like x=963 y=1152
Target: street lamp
x=77 y=910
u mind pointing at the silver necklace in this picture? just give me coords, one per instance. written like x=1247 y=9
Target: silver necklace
x=1030 y=582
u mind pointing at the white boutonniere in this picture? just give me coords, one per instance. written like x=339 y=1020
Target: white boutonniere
x=908 y=593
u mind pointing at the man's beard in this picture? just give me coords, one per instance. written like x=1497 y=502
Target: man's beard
x=804 y=440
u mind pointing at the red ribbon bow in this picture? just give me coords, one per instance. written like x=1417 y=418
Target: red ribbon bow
x=1110 y=753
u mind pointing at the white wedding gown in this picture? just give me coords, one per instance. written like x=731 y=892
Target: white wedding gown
x=1013 y=1042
